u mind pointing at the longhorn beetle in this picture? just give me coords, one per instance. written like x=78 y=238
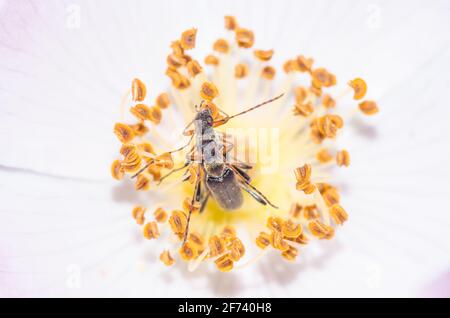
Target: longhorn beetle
x=215 y=176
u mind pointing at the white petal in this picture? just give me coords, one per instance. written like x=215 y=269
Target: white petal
x=60 y=90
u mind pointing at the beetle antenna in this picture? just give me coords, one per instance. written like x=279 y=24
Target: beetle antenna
x=224 y=120
x=142 y=169
x=186 y=145
x=188 y=221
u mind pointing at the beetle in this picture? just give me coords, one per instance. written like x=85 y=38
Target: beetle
x=216 y=175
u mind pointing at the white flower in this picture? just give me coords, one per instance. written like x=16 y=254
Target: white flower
x=65 y=226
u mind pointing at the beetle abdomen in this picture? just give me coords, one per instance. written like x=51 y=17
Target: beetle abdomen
x=225 y=190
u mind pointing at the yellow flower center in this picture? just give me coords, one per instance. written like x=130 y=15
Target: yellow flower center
x=278 y=153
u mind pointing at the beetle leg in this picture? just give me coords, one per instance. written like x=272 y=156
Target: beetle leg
x=198 y=194
x=220 y=110
x=255 y=195
x=187 y=131
x=194 y=195
x=241 y=164
x=204 y=201
x=193 y=156
x=228 y=146
x=248 y=187
x=242 y=172
x=142 y=169
x=181 y=148
x=186 y=164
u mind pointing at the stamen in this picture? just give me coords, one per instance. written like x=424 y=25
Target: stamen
x=328 y=101
x=188 y=251
x=252 y=261
x=175 y=61
x=230 y=23
x=138 y=90
x=359 y=87
x=303 y=175
x=177 y=49
x=155 y=115
x=228 y=232
x=277 y=241
x=326 y=126
x=315 y=89
x=160 y=215
x=141 y=111
x=275 y=223
x=263 y=55
x=151 y=231
x=368 y=107
x=338 y=214
x=321 y=77
x=155 y=172
x=147 y=149
x=212 y=108
x=237 y=249
x=196 y=240
x=343 y=158
x=193 y=68
x=301 y=239
x=290 y=254
x=179 y=81
x=188 y=207
x=117 y=171
x=164 y=161
x=123 y=132
x=138 y=213
x=142 y=183
x=163 y=100
x=178 y=221
x=301 y=94
x=331 y=196
x=216 y=246
x=192 y=170
x=290 y=229
x=263 y=240
x=268 y=73
x=224 y=263
x=303 y=64
x=324 y=156
x=320 y=230
x=132 y=161
x=244 y=38
x=188 y=37
x=290 y=66
x=211 y=60
x=126 y=149
x=296 y=210
x=241 y=70
x=193 y=265
x=139 y=129
x=166 y=258
x=221 y=46
x=310 y=212
x=303 y=109
x=209 y=91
